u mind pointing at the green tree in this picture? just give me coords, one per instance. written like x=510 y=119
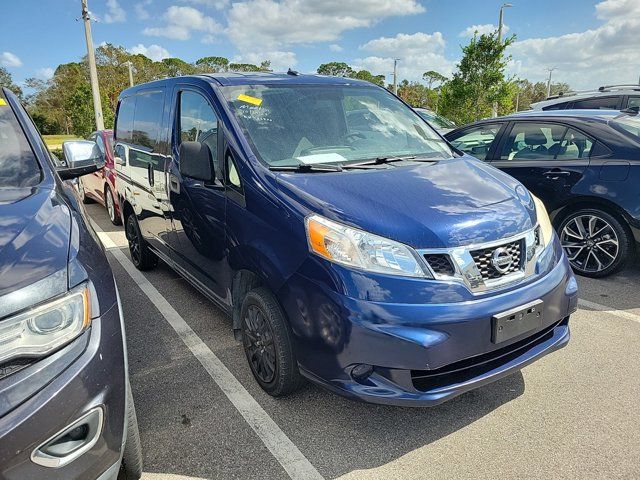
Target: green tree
x=244 y=67
x=6 y=80
x=369 y=77
x=212 y=64
x=336 y=69
x=176 y=67
x=432 y=77
x=479 y=81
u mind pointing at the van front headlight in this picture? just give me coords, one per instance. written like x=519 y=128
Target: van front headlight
x=546 y=229
x=42 y=329
x=359 y=249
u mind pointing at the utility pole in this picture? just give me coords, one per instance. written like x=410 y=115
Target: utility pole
x=549 y=81
x=130 y=73
x=93 y=73
x=395 y=76
x=494 y=112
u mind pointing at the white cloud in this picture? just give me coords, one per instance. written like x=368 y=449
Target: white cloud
x=217 y=4
x=141 y=10
x=334 y=47
x=45 y=73
x=279 y=60
x=603 y=55
x=115 y=12
x=418 y=53
x=8 y=59
x=482 y=30
x=181 y=21
x=154 y=52
x=271 y=24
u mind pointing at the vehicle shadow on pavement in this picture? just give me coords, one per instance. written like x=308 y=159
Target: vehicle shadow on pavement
x=341 y=436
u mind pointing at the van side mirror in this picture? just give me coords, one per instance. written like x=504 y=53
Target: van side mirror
x=196 y=161
x=82 y=157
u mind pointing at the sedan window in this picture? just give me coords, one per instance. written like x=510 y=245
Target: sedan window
x=597 y=103
x=545 y=141
x=476 y=141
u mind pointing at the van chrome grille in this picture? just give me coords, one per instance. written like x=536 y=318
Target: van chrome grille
x=483 y=259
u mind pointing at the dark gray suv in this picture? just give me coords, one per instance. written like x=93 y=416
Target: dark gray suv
x=66 y=409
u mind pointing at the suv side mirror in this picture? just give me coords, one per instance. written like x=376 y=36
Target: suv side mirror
x=196 y=161
x=82 y=157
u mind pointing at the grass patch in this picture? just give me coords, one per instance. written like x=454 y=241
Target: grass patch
x=54 y=142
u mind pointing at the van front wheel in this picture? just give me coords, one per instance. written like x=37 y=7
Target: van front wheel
x=267 y=342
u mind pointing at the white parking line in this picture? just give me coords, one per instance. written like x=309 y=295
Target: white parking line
x=281 y=447
x=612 y=311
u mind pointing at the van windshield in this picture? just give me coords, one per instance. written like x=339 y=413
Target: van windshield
x=306 y=124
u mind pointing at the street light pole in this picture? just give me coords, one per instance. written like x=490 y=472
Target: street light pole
x=549 y=81
x=130 y=73
x=395 y=76
x=93 y=73
x=494 y=112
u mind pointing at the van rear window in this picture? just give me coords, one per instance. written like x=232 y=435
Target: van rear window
x=18 y=165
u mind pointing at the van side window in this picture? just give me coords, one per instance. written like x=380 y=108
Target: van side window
x=147 y=123
x=199 y=123
x=148 y=119
x=124 y=126
x=233 y=178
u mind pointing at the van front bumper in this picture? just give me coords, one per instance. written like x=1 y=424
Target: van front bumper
x=366 y=346
x=88 y=374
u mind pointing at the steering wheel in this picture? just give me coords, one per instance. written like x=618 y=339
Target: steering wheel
x=352 y=137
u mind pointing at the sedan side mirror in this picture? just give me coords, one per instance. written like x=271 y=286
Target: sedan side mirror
x=82 y=157
x=196 y=161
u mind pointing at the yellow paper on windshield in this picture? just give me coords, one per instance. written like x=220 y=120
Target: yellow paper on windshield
x=249 y=99
x=2 y=102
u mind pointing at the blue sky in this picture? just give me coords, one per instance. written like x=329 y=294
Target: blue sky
x=589 y=42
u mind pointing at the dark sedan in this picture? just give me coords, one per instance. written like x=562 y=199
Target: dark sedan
x=583 y=164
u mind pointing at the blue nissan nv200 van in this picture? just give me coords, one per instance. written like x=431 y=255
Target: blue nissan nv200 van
x=349 y=242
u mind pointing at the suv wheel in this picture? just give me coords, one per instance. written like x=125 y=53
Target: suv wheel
x=597 y=243
x=266 y=338
x=111 y=206
x=141 y=256
x=131 y=466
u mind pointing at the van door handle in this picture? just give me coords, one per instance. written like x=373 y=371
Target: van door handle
x=174 y=185
x=150 y=173
x=556 y=173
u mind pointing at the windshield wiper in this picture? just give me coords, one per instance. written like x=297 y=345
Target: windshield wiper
x=380 y=161
x=306 y=167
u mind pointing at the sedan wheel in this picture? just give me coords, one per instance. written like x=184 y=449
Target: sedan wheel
x=595 y=242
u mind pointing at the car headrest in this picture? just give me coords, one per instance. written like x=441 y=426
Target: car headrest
x=534 y=137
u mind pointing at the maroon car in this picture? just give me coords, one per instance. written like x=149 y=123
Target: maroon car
x=101 y=185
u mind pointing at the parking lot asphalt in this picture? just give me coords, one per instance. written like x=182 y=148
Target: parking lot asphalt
x=573 y=414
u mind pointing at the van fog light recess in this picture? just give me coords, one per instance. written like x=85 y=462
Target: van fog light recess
x=361 y=371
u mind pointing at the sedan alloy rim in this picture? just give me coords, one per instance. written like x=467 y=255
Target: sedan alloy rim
x=134 y=244
x=590 y=242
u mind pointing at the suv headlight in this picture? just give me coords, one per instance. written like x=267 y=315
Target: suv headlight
x=546 y=229
x=43 y=329
x=357 y=248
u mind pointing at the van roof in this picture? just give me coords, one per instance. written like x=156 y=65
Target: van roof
x=253 y=78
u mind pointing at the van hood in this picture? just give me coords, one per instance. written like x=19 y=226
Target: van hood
x=448 y=203
x=35 y=230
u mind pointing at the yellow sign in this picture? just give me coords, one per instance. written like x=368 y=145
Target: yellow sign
x=2 y=102
x=249 y=99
